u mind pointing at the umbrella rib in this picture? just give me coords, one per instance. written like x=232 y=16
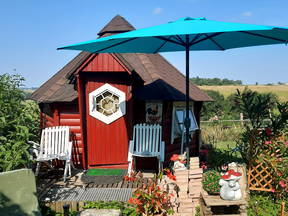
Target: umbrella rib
x=194 y=39
x=180 y=39
x=215 y=42
x=264 y=36
x=122 y=42
x=167 y=39
x=163 y=44
x=208 y=37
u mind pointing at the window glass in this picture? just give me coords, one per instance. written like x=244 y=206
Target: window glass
x=178 y=126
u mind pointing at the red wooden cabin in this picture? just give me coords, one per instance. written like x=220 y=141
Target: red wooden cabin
x=101 y=96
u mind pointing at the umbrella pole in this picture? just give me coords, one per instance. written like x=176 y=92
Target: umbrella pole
x=187 y=98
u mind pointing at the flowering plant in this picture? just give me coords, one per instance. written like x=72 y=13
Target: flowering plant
x=148 y=198
x=210 y=182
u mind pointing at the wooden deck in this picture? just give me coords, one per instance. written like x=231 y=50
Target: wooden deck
x=51 y=184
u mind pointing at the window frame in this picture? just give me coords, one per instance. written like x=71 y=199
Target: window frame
x=181 y=106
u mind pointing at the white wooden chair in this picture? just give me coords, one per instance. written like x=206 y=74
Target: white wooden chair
x=54 y=144
x=147 y=142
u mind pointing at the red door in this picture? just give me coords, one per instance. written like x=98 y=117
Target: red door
x=107 y=144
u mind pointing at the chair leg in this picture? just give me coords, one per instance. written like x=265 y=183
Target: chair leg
x=37 y=168
x=69 y=166
x=129 y=168
x=65 y=171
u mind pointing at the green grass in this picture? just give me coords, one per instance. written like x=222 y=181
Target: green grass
x=104 y=172
x=280 y=90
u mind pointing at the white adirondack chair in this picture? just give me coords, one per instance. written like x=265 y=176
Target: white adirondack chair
x=147 y=142
x=54 y=144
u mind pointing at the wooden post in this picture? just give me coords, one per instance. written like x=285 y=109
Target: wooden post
x=283 y=208
x=241 y=119
x=82 y=112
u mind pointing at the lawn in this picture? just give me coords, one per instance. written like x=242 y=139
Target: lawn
x=280 y=90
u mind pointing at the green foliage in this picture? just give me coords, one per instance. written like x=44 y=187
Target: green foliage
x=197 y=211
x=215 y=81
x=214 y=108
x=263 y=205
x=19 y=122
x=258 y=108
x=232 y=106
x=126 y=209
x=218 y=157
x=210 y=182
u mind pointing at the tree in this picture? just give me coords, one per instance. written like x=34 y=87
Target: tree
x=19 y=122
x=214 y=108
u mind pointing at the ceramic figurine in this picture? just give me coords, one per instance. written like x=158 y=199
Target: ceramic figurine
x=179 y=161
x=230 y=187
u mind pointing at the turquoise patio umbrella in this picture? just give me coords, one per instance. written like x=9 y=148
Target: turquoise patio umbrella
x=186 y=34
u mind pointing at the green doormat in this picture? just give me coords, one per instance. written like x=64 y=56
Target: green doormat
x=103 y=176
x=104 y=172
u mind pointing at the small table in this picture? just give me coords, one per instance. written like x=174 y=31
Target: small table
x=208 y=201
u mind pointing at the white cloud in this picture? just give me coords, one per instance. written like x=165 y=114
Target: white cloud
x=247 y=14
x=157 y=10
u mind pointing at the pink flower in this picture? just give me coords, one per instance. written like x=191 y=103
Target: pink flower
x=267 y=142
x=203 y=166
x=273 y=190
x=286 y=143
x=282 y=184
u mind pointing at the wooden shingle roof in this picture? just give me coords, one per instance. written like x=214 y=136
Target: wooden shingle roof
x=156 y=72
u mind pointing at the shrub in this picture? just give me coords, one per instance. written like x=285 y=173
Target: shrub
x=19 y=122
x=210 y=182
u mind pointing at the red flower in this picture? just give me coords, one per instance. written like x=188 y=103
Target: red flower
x=203 y=166
x=174 y=157
x=268 y=131
x=171 y=176
x=204 y=151
x=134 y=201
x=282 y=184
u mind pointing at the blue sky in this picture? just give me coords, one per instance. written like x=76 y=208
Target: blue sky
x=31 y=30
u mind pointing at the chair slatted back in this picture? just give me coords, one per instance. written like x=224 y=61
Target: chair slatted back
x=147 y=138
x=55 y=141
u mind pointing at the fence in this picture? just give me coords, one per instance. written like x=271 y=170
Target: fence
x=59 y=206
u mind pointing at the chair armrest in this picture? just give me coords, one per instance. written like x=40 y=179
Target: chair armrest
x=131 y=146
x=34 y=148
x=162 y=151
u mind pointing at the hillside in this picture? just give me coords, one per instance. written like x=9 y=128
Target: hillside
x=280 y=90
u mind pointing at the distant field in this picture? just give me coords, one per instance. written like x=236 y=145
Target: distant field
x=280 y=90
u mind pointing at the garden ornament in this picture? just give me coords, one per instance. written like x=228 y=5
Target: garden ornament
x=230 y=187
x=179 y=161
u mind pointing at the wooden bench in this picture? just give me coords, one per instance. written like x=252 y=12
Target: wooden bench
x=209 y=201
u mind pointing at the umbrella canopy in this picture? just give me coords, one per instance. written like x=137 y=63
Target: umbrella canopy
x=186 y=34
x=202 y=35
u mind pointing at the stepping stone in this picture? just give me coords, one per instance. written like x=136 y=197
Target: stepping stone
x=100 y=212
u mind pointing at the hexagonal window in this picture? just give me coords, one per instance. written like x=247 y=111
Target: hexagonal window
x=107 y=103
